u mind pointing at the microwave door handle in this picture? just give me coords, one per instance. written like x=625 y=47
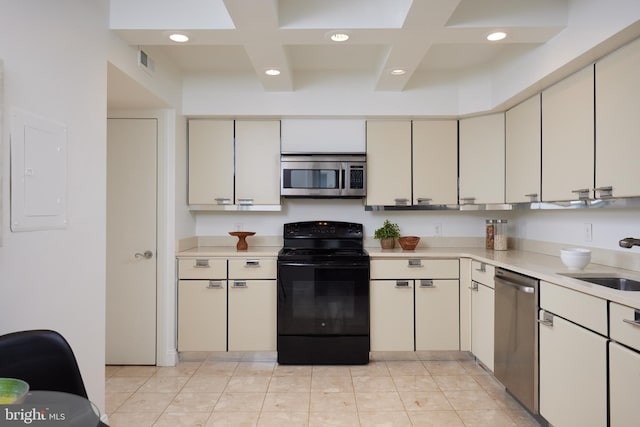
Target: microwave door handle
x=341 y=184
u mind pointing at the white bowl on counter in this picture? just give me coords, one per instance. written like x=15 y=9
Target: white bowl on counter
x=575 y=259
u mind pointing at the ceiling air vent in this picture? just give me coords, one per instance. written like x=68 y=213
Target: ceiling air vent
x=145 y=62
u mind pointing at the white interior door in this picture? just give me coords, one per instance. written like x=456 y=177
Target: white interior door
x=131 y=241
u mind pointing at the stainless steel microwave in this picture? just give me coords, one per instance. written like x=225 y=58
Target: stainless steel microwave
x=323 y=175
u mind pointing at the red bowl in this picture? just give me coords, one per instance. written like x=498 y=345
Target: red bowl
x=408 y=243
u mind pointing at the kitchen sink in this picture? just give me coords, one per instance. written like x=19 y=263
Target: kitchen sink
x=619 y=283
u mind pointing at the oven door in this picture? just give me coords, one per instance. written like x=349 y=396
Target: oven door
x=323 y=298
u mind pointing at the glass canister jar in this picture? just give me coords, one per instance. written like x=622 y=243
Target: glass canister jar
x=500 y=235
x=491 y=226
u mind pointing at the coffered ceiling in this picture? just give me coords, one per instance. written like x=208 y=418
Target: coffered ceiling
x=422 y=37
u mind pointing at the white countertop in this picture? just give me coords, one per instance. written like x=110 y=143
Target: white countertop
x=545 y=267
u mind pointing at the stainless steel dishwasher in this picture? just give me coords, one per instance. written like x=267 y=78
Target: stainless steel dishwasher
x=516 y=336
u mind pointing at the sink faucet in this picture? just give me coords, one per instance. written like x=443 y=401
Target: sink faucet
x=629 y=242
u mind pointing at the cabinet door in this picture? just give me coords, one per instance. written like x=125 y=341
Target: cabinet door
x=617 y=124
x=435 y=162
x=210 y=162
x=437 y=315
x=252 y=315
x=573 y=375
x=202 y=315
x=482 y=307
x=523 y=152
x=388 y=163
x=391 y=315
x=482 y=159
x=258 y=162
x=567 y=137
x=624 y=380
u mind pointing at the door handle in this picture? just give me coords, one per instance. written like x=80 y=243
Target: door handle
x=146 y=255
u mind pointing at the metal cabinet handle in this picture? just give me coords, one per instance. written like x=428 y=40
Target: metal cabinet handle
x=532 y=196
x=424 y=200
x=145 y=255
x=547 y=319
x=467 y=200
x=483 y=268
x=474 y=286
x=414 y=263
x=632 y=322
x=401 y=201
x=606 y=191
x=427 y=283
x=245 y=201
x=239 y=284
x=583 y=193
x=252 y=263
x=404 y=284
x=222 y=200
x=202 y=263
x=214 y=284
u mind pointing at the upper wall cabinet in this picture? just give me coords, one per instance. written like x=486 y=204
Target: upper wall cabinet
x=388 y=162
x=618 y=123
x=523 y=152
x=210 y=162
x=568 y=138
x=224 y=174
x=482 y=160
x=435 y=162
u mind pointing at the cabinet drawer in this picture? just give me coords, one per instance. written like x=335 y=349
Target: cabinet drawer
x=252 y=268
x=415 y=268
x=583 y=309
x=202 y=268
x=624 y=322
x=483 y=273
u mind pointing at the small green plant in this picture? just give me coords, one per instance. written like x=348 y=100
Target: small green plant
x=387 y=230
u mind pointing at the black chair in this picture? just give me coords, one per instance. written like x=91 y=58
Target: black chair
x=42 y=358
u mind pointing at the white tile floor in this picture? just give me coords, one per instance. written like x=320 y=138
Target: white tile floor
x=251 y=389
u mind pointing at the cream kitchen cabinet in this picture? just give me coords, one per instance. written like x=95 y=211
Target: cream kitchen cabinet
x=523 y=152
x=211 y=162
x=482 y=165
x=617 y=125
x=252 y=304
x=624 y=365
x=202 y=305
x=412 y=312
x=388 y=162
x=482 y=313
x=435 y=162
x=573 y=359
x=234 y=162
x=257 y=162
x=568 y=138
x=391 y=315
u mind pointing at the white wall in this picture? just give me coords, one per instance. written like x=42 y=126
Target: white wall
x=54 y=56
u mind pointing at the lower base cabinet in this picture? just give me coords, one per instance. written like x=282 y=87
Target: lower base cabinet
x=437 y=315
x=202 y=315
x=624 y=380
x=573 y=374
x=391 y=305
x=252 y=315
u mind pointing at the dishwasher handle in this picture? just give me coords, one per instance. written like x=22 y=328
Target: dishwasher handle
x=521 y=288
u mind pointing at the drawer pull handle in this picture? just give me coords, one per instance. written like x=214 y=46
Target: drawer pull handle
x=632 y=322
x=547 y=319
x=427 y=284
x=252 y=263
x=483 y=268
x=239 y=284
x=214 y=284
x=202 y=263
x=415 y=263
x=404 y=284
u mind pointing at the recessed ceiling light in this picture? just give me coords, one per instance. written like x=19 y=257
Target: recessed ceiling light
x=339 y=37
x=179 y=38
x=498 y=35
x=398 y=72
x=272 y=72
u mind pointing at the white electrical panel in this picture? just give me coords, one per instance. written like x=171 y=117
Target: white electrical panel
x=38 y=172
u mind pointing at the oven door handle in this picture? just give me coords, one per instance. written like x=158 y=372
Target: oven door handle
x=323 y=264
